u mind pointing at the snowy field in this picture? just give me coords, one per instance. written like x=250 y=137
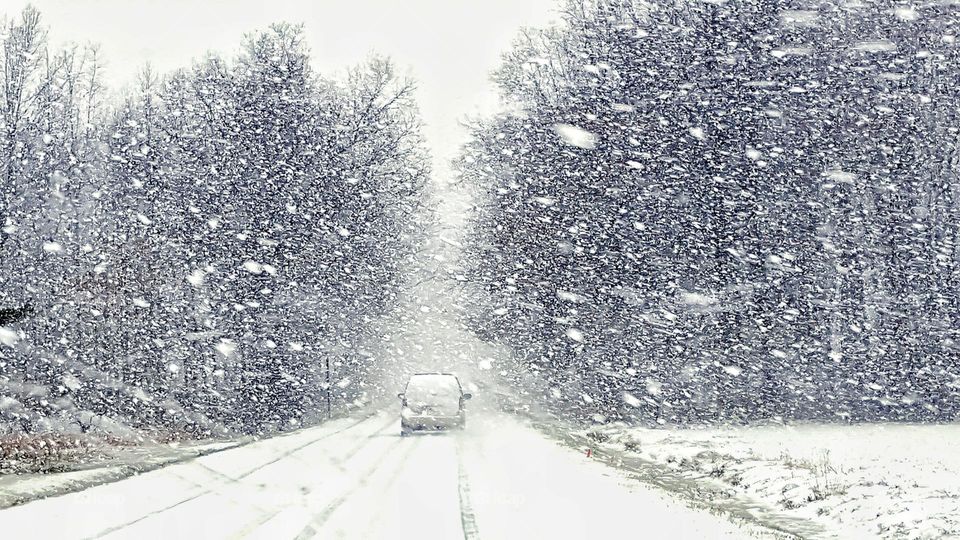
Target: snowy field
x=859 y=481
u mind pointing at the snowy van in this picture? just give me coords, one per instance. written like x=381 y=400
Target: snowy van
x=432 y=401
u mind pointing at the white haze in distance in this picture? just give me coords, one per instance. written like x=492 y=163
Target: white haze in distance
x=449 y=46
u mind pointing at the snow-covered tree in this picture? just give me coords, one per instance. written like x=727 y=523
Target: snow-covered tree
x=700 y=210
x=199 y=254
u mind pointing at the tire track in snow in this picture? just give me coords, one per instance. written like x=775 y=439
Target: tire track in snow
x=338 y=463
x=313 y=528
x=196 y=496
x=298 y=448
x=391 y=480
x=468 y=520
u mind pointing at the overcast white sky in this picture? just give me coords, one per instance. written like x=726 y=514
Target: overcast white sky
x=449 y=46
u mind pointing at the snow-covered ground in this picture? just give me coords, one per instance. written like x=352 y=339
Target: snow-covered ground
x=878 y=480
x=99 y=464
x=358 y=478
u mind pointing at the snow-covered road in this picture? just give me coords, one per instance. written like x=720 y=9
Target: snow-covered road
x=357 y=478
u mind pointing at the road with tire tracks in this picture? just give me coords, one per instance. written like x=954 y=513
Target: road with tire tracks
x=358 y=478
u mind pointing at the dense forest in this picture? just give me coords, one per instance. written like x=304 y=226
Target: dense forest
x=196 y=255
x=726 y=211
x=687 y=212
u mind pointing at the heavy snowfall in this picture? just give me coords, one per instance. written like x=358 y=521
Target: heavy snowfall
x=694 y=265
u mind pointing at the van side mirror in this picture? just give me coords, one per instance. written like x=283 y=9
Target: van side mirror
x=467 y=396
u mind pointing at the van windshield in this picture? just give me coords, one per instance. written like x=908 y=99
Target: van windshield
x=433 y=389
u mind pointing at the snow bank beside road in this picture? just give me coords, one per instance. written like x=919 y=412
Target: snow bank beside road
x=880 y=480
x=109 y=461
x=93 y=464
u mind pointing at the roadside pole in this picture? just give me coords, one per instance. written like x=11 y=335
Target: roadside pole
x=328 y=386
